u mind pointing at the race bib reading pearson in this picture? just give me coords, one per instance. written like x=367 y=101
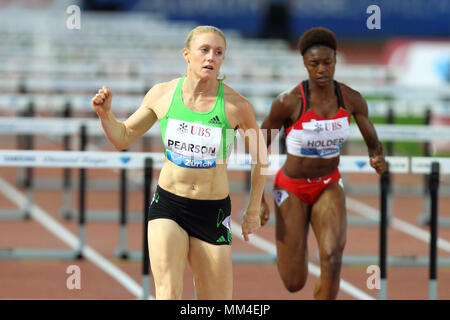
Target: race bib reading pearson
x=192 y=145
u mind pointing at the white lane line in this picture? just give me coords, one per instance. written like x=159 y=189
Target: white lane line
x=403 y=226
x=270 y=247
x=72 y=241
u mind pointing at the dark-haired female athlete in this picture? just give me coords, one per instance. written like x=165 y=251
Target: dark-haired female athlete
x=308 y=188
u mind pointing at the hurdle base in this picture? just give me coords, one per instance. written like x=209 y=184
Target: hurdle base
x=351 y=220
x=40 y=254
x=362 y=221
x=432 y=289
x=103 y=216
x=146 y=287
x=249 y=257
x=6 y=214
x=424 y=219
x=382 y=295
x=122 y=253
x=408 y=261
x=237 y=257
x=107 y=184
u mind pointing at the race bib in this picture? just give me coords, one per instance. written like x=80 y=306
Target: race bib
x=325 y=134
x=192 y=145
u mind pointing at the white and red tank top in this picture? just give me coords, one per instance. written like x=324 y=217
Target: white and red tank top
x=313 y=136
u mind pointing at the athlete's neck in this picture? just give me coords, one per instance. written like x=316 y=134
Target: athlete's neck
x=198 y=87
x=322 y=92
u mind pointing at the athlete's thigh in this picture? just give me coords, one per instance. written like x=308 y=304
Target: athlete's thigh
x=212 y=268
x=329 y=220
x=291 y=227
x=168 y=245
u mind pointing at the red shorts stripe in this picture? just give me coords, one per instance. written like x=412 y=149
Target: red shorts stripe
x=306 y=189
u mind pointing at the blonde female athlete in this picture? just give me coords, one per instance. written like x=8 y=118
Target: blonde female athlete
x=190 y=212
x=308 y=189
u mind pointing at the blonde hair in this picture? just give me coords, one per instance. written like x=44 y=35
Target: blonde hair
x=204 y=29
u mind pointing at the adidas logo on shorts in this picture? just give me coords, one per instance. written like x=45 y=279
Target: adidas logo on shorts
x=215 y=120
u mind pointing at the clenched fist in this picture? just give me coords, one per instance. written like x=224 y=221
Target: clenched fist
x=378 y=163
x=102 y=101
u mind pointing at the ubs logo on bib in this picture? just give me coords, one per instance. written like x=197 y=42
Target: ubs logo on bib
x=199 y=131
x=182 y=128
x=317 y=126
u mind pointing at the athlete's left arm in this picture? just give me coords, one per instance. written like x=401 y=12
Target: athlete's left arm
x=361 y=114
x=243 y=116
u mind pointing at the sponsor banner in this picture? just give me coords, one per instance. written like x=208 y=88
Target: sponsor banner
x=423 y=164
x=362 y=164
x=135 y=160
x=78 y=159
x=424 y=64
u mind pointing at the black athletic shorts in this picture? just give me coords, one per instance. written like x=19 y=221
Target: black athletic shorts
x=207 y=220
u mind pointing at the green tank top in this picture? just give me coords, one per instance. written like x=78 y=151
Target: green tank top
x=196 y=139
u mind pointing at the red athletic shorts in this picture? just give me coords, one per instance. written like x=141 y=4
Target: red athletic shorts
x=306 y=189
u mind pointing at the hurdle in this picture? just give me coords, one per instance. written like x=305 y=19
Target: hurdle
x=33 y=126
x=28 y=159
x=148 y=178
x=389 y=132
x=64 y=127
x=434 y=167
x=419 y=165
x=90 y=159
x=427 y=216
x=347 y=164
x=81 y=160
x=24 y=176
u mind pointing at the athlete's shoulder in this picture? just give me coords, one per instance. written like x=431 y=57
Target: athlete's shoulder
x=162 y=87
x=159 y=93
x=352 y=97
x=288 y=99
x=238 y=110
x=234 y=100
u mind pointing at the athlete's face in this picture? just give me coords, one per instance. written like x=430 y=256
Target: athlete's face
x=320 y=63
x=205 y=55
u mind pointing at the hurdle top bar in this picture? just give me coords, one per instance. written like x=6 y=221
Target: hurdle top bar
x=261 y=103
x=66 y=126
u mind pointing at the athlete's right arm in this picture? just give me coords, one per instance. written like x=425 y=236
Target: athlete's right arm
x=124 y=134
x=281 y=111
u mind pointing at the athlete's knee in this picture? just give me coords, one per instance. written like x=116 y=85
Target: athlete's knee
x=294 y=285
x=293 y=281
x=168 y=290
x=331 y=259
